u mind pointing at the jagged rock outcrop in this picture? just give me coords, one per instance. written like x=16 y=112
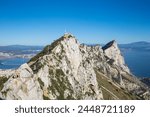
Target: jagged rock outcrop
x=21 y=85
x=112 y=51
x=67 y=69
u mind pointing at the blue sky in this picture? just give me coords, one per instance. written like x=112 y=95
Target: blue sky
x=39 y=22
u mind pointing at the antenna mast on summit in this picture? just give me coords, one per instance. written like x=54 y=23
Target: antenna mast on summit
x=65 y=31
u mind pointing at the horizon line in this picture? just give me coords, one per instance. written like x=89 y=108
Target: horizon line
x=80 y=43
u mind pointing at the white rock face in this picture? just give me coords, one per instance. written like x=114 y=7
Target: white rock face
x=21 y=85
x=113 y=52
x=71 y=47
x=66 y=66
x=25 y=71
x=67 y=70
x=6 y=73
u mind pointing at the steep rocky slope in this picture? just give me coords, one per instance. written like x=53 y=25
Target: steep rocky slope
x=67 y=69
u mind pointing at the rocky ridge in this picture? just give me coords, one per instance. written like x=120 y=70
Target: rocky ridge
x=67 y=69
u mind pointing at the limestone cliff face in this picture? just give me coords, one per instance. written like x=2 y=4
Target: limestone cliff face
x=67 y=69
x=64 y=72
x=113 y=52
x=21 y=85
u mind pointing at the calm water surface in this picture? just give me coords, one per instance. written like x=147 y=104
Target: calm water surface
x=12 y=63
x=138 y=62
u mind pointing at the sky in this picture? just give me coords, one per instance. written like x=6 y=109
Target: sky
x=40 y=22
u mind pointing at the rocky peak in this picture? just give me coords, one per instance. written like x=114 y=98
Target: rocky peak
x=63 y=63
x=113 y=52
x=110 y=44
x=68 y=35
x=67 y=39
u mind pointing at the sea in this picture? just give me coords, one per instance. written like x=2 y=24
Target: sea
x=12 y=63
x=137 y=61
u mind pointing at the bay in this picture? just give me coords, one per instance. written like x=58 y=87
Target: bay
x=12 y=63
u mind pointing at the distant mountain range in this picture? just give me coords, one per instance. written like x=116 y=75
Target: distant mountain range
x=137 y=46
x=20 y=49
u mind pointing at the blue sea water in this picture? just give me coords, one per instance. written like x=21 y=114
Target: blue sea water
x=138 y=62
x=12 y=63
